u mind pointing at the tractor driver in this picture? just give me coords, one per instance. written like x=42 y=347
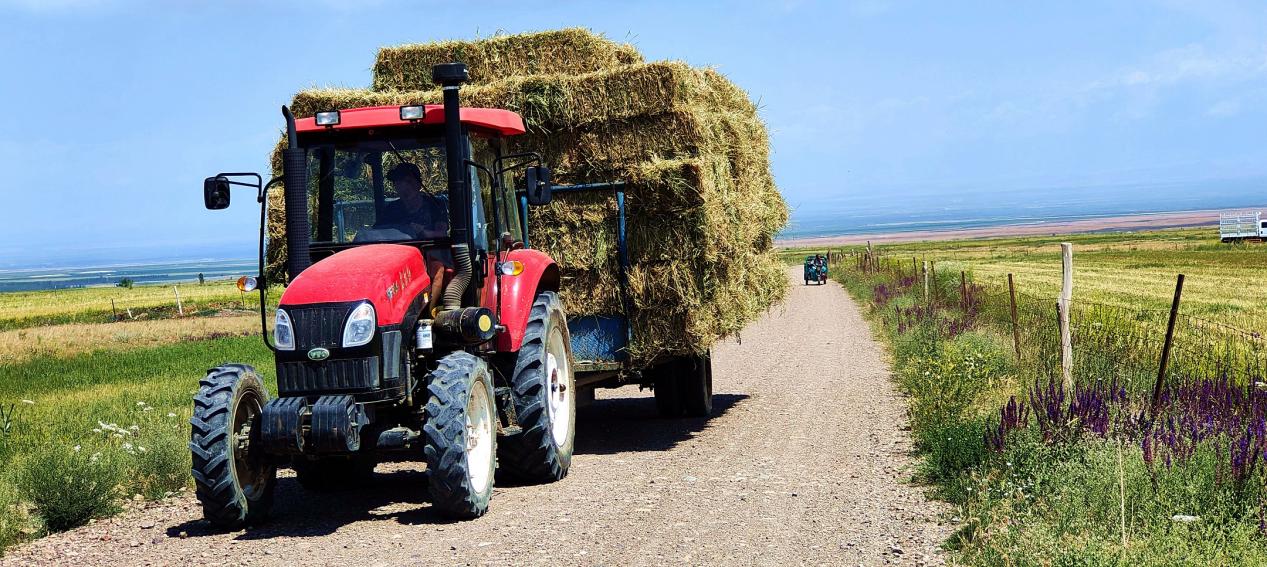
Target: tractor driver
x=426 y=217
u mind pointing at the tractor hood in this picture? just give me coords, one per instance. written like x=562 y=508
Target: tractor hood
x=388 y=275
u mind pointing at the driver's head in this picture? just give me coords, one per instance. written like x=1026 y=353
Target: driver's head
x=407 y=180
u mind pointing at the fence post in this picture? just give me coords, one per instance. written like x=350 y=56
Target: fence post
x=914 y=267
x=932 y=270
x=963 y=291
x=1066 y=301
x=1165 y=347
x=1016 y=327
x=926 y=282
x=114 y=310
x=179 y=308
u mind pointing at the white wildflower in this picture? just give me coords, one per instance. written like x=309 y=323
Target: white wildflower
x=77 y=447
x=134 y=427
x=140 y=403
x=28 y=402
x=96 y=430
x=141 y=449
x=146 y=408
x=95 y=457
x=171 y=414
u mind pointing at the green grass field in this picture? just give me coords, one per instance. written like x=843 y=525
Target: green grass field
x=26 y=309
x=1084 y=479
x=1136 y=270
x=94 y=412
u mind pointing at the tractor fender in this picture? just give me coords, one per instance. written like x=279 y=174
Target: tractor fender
x=518 y=293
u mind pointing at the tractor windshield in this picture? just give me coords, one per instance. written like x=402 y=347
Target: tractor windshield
x=363 y=191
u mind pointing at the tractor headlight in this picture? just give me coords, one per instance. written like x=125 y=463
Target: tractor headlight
x=413 y=112
x=283 y=332
x=360 y=326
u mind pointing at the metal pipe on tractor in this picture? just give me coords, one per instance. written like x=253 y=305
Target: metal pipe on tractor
x=451 y=76
x=295 y=178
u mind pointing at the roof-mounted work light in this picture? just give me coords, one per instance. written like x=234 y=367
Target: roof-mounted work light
x=412 y=113
x=328 y=118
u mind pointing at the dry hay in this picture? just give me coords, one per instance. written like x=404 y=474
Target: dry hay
x=702 y=205
x=567 y=51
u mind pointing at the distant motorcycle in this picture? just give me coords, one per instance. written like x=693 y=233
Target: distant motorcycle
x=815 y=270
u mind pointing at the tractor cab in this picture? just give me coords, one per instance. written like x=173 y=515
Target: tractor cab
x=415 y=323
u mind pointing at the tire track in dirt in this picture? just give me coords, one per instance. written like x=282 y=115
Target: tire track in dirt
x=803 y=463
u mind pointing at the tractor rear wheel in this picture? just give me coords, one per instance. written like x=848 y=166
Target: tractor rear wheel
x=460 y=434
x=696 y=386
x=233 y=476
x=333 y=473
x=545 y=398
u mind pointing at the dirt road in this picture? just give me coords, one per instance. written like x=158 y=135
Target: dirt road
x=804 y=463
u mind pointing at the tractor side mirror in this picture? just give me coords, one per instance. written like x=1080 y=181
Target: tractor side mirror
x=538 y=185
x=215 y=193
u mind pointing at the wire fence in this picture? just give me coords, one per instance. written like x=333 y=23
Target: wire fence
x=1109 y=342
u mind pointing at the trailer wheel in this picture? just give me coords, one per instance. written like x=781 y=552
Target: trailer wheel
x=545 y=398
x=668 y=400
x=333 y=473
x=696 y=386
x=461 y=441
x=233 y=477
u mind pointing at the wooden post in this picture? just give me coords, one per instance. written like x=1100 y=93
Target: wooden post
x=179 y=308
x=925 y=282
x=1066 y=302
x=1165 y=347
x=914 y=267
x=1016 y=327
x=963 y=291
x=114 y=310
x=932 y=270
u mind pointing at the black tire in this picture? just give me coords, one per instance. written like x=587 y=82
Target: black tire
x=331 y=474
x=538 y=454
x=668 y=402
x=696 y=386
x=234 y=484
x=451 y=387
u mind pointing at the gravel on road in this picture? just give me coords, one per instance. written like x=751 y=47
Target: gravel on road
x=806 y=461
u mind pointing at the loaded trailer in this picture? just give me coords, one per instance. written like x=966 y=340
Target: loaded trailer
x=417 y=323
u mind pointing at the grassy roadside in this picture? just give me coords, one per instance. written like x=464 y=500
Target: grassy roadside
x=1041 y=476
x=27 y=309
x=81 y=433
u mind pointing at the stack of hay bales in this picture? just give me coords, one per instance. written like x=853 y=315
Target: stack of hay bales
x=702 y=205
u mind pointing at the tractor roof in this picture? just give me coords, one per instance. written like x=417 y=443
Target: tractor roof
x=490 y=120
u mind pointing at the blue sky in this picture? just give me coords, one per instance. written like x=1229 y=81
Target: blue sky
x=115 y=111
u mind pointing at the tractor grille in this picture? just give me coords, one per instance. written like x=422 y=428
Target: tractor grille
x=318 y=326
x=327 y=376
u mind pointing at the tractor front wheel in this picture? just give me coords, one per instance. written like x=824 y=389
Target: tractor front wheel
x=545 y=398
x=461 y=436
x=233 y=477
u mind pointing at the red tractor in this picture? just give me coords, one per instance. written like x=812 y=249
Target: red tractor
x=417 y=323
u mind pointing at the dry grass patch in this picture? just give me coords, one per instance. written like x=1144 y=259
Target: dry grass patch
x=21 y=345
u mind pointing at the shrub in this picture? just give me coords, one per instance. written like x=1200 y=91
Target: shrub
x=16 y=520
x=125 y=282
x=70 y=486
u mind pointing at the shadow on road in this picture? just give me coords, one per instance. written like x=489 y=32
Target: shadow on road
x=399 y=491
x=623 y=425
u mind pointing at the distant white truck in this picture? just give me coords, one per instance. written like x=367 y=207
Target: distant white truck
x=1242 y=225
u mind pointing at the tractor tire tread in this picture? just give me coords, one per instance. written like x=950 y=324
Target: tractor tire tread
x=223 y=504
x=531 y=455
x=444 y=431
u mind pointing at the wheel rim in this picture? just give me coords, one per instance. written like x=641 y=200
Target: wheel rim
x=249 y=471
x=479 y=437
x=558 y=388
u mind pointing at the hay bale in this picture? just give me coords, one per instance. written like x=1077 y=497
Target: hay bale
x=550 y=103
x=703 y=207
x=569 y=51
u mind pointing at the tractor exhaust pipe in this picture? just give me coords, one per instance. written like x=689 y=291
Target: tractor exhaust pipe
x=295 y=178
x=451 y=76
